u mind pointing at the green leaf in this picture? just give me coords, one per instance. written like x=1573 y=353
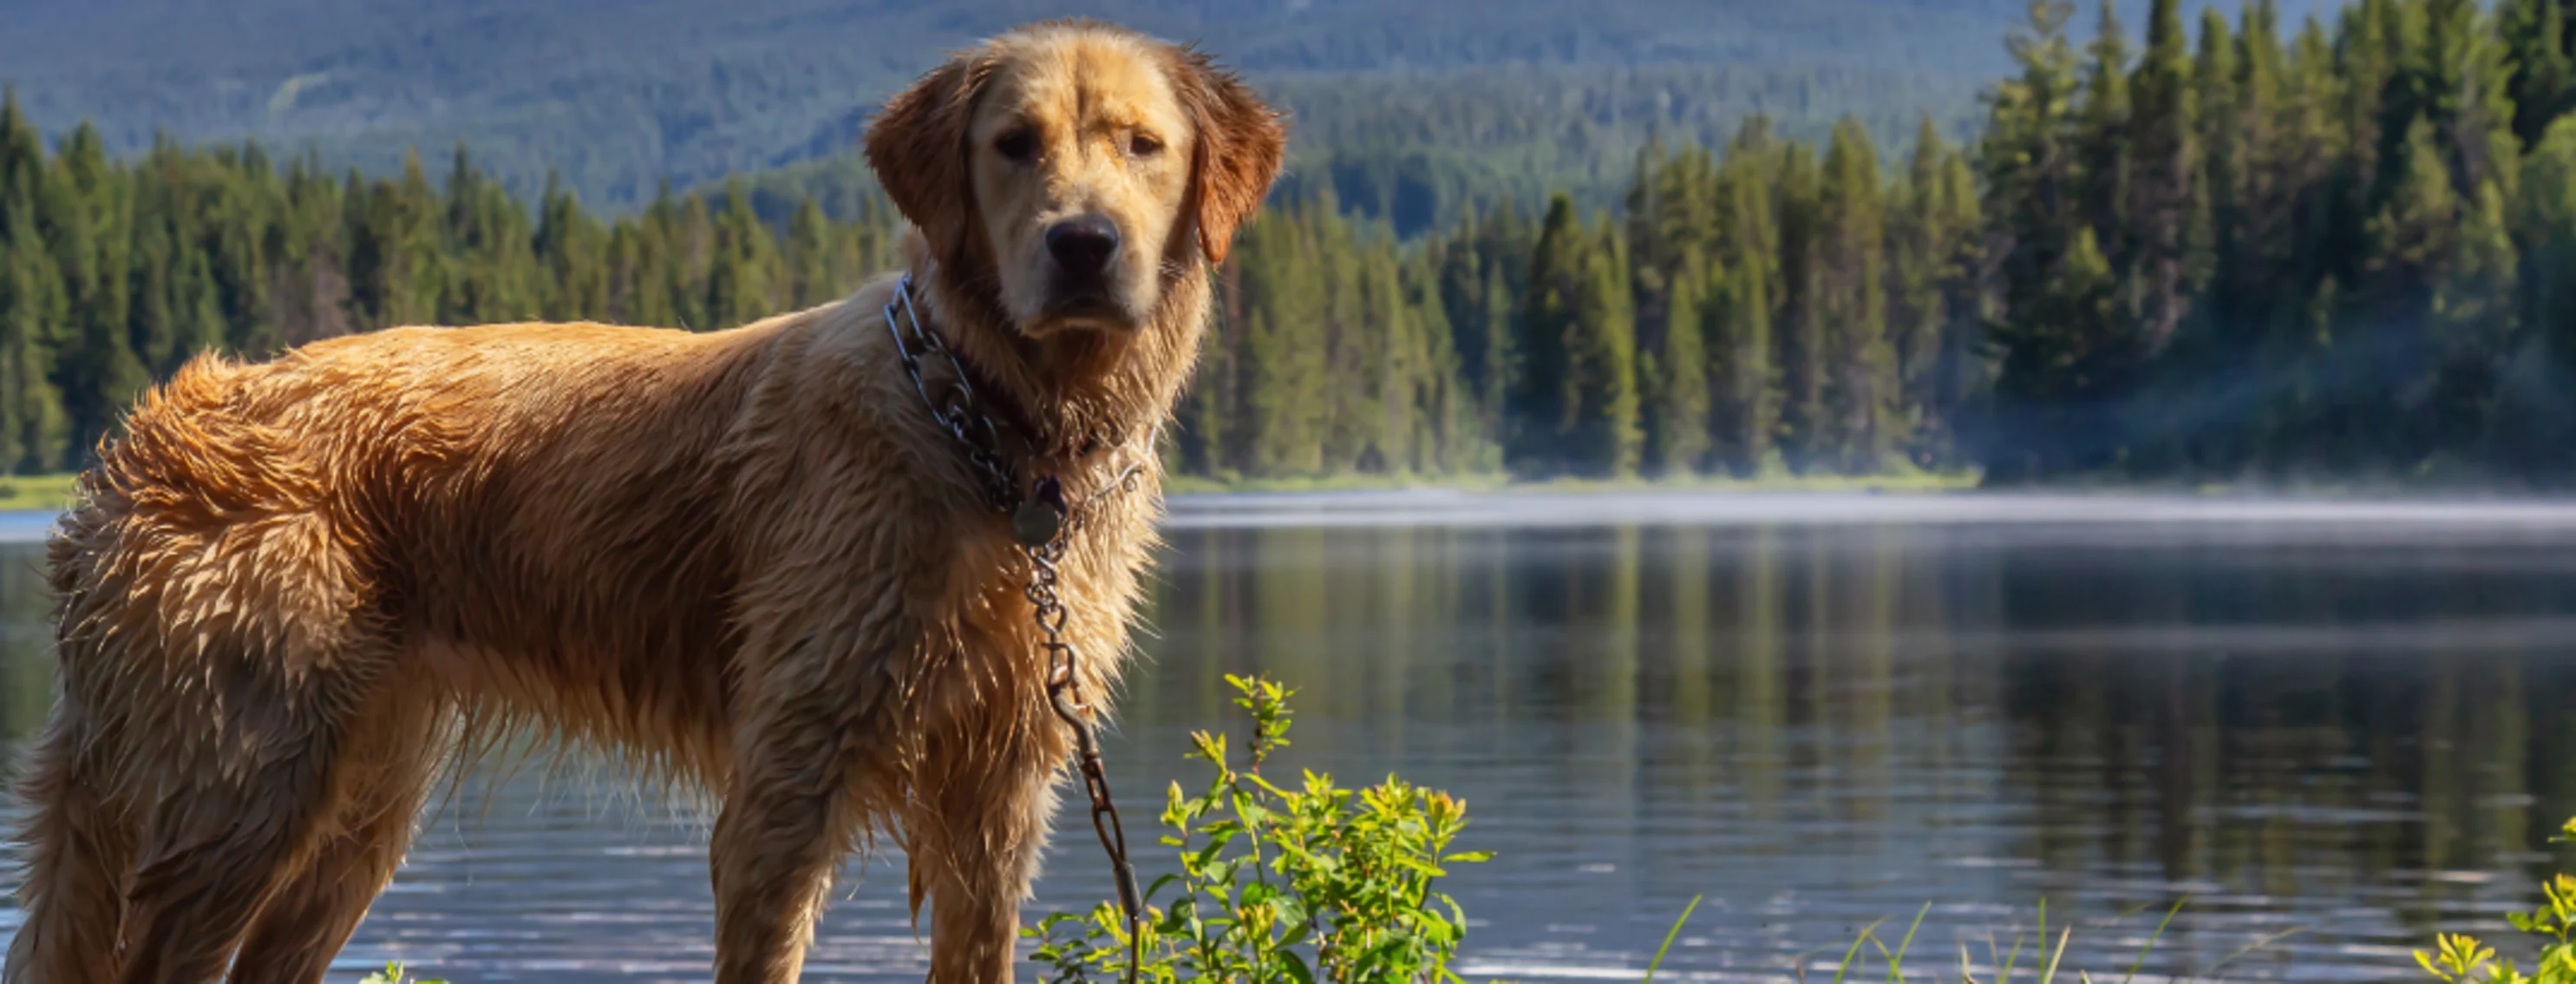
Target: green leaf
x=1295 y=968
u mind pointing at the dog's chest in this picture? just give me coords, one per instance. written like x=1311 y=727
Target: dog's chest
x=1007 y=602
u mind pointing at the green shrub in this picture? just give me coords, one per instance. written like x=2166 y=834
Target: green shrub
x=394 y=974
x=1317 y=883
x=2459 y=958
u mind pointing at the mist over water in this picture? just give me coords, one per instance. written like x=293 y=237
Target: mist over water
x=2335 y=721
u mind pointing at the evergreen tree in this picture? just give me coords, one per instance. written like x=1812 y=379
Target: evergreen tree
x=1680 y=417
x=2536 y=430
x=1807 y=435
x=1543 y=404
x=35 y=425
x=81 y=208
x=1863 y=424
x=1747 y=382
x=1604 y=433
x=2028 y=157
x=2536 y=37
x=1924 y=234
x=737 y=269
x=809 y=260
x=2160 y=173
x=2104 y=135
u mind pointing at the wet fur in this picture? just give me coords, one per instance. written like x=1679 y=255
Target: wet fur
x=297 y=590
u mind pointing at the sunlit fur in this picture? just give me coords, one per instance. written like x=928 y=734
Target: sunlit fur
x=296 y=590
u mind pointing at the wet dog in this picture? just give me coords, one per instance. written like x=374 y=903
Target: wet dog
x=780 y=561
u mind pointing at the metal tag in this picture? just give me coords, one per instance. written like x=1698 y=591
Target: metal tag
x=1040 y=516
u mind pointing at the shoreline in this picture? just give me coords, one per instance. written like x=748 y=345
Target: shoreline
x=1750 y=504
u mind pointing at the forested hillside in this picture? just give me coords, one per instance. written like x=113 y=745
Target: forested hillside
x=616 y=96
x=2231 y=248
x=1418 y=150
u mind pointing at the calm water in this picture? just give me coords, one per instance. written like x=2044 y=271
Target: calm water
x=2330 y=727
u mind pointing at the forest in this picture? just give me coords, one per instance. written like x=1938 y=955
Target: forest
x=2235 y=250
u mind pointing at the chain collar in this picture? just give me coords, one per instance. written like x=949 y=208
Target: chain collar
x=1039 y=513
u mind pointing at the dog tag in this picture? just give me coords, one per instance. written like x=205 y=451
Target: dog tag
x=1040 y=516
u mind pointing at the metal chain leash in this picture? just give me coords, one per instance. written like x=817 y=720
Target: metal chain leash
x=1064 y=694
x=1040 y=522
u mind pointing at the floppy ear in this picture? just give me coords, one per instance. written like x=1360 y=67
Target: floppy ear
x=917 y=146
x=1240 y=143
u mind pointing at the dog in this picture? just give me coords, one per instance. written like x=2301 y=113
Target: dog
x=789 y=561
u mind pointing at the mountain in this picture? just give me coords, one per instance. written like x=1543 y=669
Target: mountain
x=619 y=96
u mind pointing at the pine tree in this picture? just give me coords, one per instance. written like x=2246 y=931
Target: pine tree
x=1961 y=368
x=737 y=280
x=2160 y=173
x=1603 y=404
x=1807 y=435
x=1862 y=424
x=2028 y=157
x=809 y=261
x=2103 y=138
x=35 y=425
x=2474 y=303
x=2236 y=88
x=1680 y=417
x=1922 y=242
x=1541 y=408
x=1747 y=391
x=2542 y=80
x=2536 y=430
x=2412 y=242
x=2064 y=355
x=568 y=247
x=1285 y=355
x=82 y=207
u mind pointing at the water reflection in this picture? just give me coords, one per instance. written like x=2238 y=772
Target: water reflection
x=2340 y=730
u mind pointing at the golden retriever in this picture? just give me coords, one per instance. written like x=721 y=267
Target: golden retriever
x=755 y=559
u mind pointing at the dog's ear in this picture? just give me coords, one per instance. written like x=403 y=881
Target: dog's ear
x=1237 y=154
x=917 y=146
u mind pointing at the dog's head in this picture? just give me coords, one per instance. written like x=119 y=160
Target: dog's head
x=1069 y=171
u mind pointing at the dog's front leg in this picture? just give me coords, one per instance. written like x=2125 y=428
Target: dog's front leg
x=975 y=841
x=789 y=814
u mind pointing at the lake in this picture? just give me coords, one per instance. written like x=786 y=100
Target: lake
x=2328 y=727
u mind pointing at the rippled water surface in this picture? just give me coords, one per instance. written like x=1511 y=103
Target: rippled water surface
x=2331 y=728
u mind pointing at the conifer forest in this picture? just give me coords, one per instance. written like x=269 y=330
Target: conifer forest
x=2214 y=248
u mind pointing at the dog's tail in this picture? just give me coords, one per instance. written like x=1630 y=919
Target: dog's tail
x=73 y=854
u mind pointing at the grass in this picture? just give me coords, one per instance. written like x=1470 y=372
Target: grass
x=2004 y=964
x=2001 y=963
x=36 y=493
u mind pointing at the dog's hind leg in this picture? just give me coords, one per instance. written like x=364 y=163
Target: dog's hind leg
x=391 y=758
x=252 y=762
x=217 y=849
x=77 y=851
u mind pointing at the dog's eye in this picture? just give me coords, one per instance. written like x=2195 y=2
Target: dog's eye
x=1143 y=145
x=1018 y=145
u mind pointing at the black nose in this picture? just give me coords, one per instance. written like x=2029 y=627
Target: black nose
x=1082 y=247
